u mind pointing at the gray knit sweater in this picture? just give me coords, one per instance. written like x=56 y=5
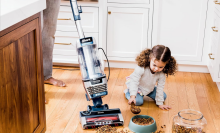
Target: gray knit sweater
x=144 y=80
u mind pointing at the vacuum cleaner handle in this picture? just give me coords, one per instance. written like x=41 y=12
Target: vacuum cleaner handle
x=76 y=16
x=75 y=10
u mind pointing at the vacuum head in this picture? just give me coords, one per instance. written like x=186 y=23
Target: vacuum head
x=94 y=119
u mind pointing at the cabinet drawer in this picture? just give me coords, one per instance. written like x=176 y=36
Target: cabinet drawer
x=130 y=1
x=89 y=19
x=65 y=59
x=65 y=42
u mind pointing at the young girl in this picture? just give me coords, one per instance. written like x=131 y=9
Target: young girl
x=152 y=67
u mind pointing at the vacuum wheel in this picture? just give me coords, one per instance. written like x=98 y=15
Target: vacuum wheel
x=89 y=108
x=106 y=106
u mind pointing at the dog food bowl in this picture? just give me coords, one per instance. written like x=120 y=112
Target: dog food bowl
x=142 y=128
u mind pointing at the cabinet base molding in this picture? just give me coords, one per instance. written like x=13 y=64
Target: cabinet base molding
x=218 y=85
x=181 y=67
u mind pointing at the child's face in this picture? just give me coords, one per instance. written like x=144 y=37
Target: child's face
x=156 y=66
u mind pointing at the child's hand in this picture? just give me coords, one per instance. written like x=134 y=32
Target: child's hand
x=132 y=99
x=164 y=107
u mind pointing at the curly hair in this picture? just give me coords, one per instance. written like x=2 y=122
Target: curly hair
x=160 y=53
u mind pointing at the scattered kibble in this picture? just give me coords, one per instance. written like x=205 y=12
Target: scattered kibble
x=143 y=121
x=109 y=129
x=160 y=131
x=182 y=129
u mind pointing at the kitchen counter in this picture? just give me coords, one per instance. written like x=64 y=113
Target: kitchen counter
x=14 y=11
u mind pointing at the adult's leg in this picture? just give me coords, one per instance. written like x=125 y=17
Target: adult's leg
x=153 y=94
x=50 y=15
x=139 y=99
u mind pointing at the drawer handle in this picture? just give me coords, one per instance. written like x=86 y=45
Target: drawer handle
x=210 y=56
x=63 y=43
x=213 y=28
x=216 y=2
x=64 y=19
x=109 y=12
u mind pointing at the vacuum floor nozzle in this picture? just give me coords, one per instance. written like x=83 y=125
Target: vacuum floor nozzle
x=94 y=119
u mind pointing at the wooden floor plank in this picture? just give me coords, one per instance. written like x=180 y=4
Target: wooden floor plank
x=190 y=91
x=55 y=94
x=173 y=100
x=181 y=90
x=185 y=90
x=122 y=77
x=203 y=102
x=67 y=104
x=163 y=115
x=212 y=96
x=111 y=84
x=65 y=95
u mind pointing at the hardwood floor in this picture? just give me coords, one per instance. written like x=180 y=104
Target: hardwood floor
x=184 y=90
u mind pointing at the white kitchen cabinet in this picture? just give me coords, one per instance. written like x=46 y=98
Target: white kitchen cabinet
x=214 y=54
x=127 y=32
x=217 y=4
x=89 y=19
x=65 y=46
x=130 y=1
x=180 y=25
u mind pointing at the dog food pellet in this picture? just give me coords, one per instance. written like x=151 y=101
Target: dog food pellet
x=109 y=129
x=183 y=129
x=143 y=121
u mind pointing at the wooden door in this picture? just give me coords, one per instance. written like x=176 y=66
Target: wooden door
x=22 y=108
x=180 y=25
x=127 y=32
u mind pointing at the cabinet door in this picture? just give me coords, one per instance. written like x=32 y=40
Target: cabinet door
x=65 y=46
x=89 y=19
x=214 y=55
x=130 y=1
x=217 y=4
x=181 y=27
x=22 y=106
x=127 y=32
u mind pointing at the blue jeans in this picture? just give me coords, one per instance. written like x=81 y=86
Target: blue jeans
x=140 y=99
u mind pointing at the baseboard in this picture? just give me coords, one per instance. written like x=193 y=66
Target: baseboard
x=65 y=64
x=193 y=68
x=218 y=85
x=181 y=67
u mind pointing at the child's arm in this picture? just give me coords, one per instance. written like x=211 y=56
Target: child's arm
x=134 y=83
x=159 y=94
x=135 y=80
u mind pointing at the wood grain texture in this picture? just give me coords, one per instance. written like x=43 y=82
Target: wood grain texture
x=184 y=90
x=22 y=106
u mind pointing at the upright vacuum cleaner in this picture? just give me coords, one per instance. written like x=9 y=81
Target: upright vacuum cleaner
x=94 y=80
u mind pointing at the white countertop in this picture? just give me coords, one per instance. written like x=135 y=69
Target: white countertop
x=14 y=11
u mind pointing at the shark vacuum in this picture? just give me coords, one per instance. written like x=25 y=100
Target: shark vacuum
x=94 y=80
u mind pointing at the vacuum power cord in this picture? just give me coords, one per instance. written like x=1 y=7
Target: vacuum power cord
x=107 y=61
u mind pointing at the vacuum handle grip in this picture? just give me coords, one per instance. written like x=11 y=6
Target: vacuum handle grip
x=75 y=10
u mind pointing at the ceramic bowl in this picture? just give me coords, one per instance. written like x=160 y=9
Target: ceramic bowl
x=142 y=128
